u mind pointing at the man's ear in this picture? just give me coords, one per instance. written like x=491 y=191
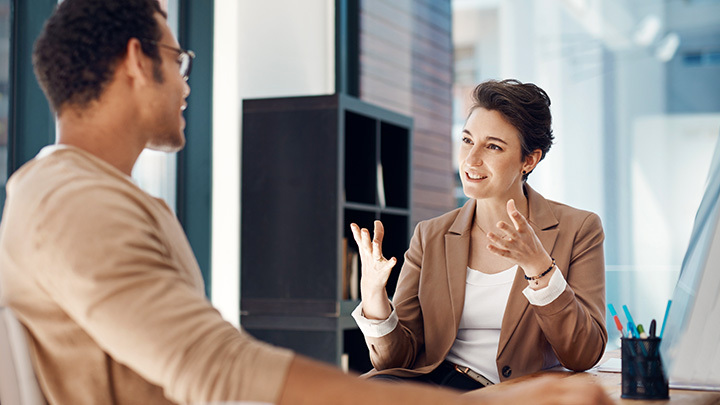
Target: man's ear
x=138 y=66
x=532 y=160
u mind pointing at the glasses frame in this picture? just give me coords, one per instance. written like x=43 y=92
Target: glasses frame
x=185 y=57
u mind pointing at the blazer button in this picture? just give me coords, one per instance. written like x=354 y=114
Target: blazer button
x=506 y=371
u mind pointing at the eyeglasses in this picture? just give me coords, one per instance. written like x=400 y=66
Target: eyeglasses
x=185 y=57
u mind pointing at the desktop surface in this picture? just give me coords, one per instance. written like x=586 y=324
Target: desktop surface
x=611 y=383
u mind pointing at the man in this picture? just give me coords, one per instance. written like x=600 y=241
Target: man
x=100 y=273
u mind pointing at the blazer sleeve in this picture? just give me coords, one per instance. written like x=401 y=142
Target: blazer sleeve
x=399 y=348
x=574 y=323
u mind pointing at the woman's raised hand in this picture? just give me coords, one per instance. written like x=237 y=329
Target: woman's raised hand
x=519 y=243
x=375 y=271
x=375 y=268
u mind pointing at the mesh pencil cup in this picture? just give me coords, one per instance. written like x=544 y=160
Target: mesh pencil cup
x=643 y=376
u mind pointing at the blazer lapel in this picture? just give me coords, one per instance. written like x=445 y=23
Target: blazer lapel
x=457 y=250
x=544 y=223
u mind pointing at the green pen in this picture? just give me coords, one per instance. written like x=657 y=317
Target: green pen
x=641 y=331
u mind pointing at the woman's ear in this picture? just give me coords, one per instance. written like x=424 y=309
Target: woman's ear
x=532 y=160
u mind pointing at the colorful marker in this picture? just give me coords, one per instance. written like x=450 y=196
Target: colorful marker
x=615 y=317
x=653 y=325
x=641 y=331
x=667 y=310
x=631 y=323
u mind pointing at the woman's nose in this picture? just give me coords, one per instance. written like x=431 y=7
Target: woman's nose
x=474 y=157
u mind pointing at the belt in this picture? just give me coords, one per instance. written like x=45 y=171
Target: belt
x=473 y=374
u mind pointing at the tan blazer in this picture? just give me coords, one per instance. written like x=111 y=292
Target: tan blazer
x=431 y=292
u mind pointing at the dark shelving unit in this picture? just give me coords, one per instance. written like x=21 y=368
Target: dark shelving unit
x=310 y=167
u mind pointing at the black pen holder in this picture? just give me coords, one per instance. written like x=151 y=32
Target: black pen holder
x=643 y=376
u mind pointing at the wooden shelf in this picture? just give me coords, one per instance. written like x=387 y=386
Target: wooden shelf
x=310 y=167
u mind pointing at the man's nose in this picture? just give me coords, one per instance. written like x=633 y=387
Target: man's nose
x=186 y=89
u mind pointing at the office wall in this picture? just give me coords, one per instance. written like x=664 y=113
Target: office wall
x=286 y=47
x=406 y=66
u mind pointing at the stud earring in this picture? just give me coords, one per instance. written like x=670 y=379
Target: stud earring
x=524 y=172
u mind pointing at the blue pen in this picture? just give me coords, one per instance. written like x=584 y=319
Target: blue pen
x=631 y=323
x=612 y=310
x=667 y=310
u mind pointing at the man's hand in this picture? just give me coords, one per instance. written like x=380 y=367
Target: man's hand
x=546 y=390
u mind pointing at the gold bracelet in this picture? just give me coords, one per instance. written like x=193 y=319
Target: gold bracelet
x=543 y=274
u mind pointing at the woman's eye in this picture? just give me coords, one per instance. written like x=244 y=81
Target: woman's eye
x=467 y=140
x=494 y=147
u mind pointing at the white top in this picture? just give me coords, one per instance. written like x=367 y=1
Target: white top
x=478 y=335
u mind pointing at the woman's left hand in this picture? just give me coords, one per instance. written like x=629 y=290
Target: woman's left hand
x=519 y=243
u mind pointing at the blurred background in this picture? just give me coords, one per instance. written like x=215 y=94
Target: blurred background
x=634 y=84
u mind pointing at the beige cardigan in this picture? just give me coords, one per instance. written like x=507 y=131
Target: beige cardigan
x=431 y=291
x=102 y=277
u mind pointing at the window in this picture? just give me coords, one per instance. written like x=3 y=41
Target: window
x=635 y=90
x=4 y=92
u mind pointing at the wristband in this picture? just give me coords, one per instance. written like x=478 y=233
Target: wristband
x=543 y=274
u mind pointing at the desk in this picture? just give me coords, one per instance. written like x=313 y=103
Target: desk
x=611 y=382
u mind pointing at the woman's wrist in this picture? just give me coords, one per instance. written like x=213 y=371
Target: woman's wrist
x=540 y=280
x=539 y=266
x=375 y=303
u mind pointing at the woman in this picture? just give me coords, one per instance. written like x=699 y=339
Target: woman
x=507 y=285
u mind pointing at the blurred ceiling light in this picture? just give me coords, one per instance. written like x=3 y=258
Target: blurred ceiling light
x=647 y=30
x=578 y=5
x=667 y=47
x=462 y=5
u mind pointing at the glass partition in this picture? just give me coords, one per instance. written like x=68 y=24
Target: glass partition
x=4 y=92
x=635 y=90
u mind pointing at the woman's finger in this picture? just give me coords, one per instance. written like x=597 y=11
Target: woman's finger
x=377 y=252
x=498 y=251
x=507 y=229
x=366 y=241
x=516 y=217
x=378 y=232
x=356 y=233
x=501 y=242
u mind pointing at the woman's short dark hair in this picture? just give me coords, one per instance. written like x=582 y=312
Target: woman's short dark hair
x=78 y=49
x=524 y=105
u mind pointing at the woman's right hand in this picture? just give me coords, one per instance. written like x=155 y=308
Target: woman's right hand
x=375 y=271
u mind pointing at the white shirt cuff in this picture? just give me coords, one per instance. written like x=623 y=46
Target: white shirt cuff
x=548 y=294
x=375 y=327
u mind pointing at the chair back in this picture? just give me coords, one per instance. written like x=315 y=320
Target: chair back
x=18 y=384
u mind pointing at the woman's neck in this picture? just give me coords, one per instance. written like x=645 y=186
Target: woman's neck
x=490 y=211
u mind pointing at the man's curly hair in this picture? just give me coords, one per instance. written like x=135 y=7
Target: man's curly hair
x=77 y=51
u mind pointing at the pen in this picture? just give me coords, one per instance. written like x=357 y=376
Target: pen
x=667 y=310
x=631 y=323
x=641 y=331
x=652 y=328
x=615 y=317
x=631 y=328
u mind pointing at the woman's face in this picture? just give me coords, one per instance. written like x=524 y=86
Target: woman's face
x=491 y=161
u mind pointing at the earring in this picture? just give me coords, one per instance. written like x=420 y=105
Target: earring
x=524 y=172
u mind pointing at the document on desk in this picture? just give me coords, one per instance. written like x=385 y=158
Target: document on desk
x=610 y=366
